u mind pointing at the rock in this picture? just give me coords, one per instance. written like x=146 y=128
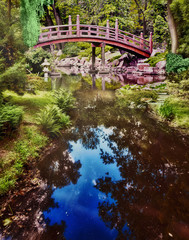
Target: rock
x=161 y=64
x=131 y=69
x=59 y=53
x=142 y=60
x=120 y=64
x=158 y=50
x=141 y=66
x=151 y=70
x=115 y=62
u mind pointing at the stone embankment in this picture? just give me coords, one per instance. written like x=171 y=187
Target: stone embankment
x=136 y=67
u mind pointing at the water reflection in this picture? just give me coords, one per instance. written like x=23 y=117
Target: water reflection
x=105 y=81
x=118 y=175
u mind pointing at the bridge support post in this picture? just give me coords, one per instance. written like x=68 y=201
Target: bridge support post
x=107 y=29
x=141 y=40
x=93 y=57
x=70 y=25
x=103 y=55
x=151 y=43
x=78 y=26
x=116 y=29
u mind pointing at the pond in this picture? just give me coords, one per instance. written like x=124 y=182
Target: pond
x=117 y=174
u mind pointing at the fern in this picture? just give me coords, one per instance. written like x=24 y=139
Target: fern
x=52 y=120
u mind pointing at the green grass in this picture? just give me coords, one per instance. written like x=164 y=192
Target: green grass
x=28 y=141
x=32 y=103
x=127 y=96
x=180 y=108
x=27 y=147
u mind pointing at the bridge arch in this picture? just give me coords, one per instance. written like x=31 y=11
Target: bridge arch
x=96 y=34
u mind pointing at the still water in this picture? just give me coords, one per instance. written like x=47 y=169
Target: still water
x=117 y=173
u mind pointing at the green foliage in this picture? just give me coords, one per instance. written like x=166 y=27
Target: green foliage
x=129 y=95
x=11 y=44
x=35 y=82
x=156 y=58
x=31 y=12
x=35 y=57
x=52 y=120
x=29 y=147
x=26 y=148
x=10 y=118
x=71 y=49
x=166 y=111
x=180 y=9
x=14 y=78
x=115 y=57
x=161 y=31
x=177 y=77
x=64 y=99
x=175 y=63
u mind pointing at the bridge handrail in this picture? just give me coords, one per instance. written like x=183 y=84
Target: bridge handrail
x=95 y=31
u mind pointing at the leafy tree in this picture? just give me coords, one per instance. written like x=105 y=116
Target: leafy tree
x=161 y=31
x=11 y=44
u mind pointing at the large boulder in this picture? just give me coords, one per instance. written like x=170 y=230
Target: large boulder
x=161 y=64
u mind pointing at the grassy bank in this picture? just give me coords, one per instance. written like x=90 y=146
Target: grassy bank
x=25 y=143
x=172 y=106
x=44 y=114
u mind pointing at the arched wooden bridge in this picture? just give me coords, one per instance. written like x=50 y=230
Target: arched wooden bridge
x=96 y=35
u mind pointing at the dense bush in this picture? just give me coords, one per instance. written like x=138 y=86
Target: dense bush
x=71 y=49
x=52 y=120
x=177 y=77
x=176 y=63
x=34 y=59
x=10 y=118
x=14 y=78
x=64 y=99
x=35 y=82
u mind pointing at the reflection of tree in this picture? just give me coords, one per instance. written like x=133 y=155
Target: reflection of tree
x=147 y=196
x=60 y=169
x=151 y=198
x=54 y=232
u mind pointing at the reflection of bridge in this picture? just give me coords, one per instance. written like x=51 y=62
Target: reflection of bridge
x=98 y=36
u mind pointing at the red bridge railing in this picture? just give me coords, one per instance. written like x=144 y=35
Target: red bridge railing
x=92 y=31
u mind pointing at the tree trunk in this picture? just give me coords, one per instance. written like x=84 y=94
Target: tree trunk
x=58 y=22
x=57 y=15
x=9 y=10
x=49 y=21
x=172 y=29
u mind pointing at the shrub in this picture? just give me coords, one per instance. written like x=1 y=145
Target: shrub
x=175 y=63
x=35 y=82
x=34 y=59
x=10 y=118
x=71 y=49
x=166 y=111
x=64 y=99
x=52 y=120
x=14 y=78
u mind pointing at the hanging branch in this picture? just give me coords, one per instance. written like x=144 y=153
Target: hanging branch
x=31 y=12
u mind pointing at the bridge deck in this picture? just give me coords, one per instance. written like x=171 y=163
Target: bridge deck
x=92 y=33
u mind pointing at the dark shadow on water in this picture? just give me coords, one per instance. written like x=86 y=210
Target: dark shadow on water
x=116 y=175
